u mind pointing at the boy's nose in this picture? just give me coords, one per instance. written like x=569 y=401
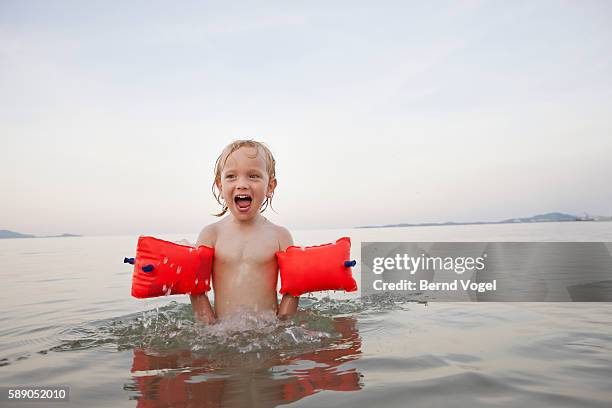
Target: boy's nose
x=242 y=183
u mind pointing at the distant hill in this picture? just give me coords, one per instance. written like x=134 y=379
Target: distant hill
x=548 y=217
x=13 y=234
x=64 y=235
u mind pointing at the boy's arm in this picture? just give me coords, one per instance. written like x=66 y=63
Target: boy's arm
x=289 y=304
x=200 y=304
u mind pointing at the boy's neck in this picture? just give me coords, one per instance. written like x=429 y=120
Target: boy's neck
x=248 y=223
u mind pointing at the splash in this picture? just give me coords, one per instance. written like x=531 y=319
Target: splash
x=172 y=327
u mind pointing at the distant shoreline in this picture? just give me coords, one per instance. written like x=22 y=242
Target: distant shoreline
x=6 y=234
x=548 y=217
x=540 y=218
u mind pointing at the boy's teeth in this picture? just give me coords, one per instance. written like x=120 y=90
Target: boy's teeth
x=243 y=201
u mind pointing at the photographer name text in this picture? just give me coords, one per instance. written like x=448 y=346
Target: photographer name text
x=425 y=285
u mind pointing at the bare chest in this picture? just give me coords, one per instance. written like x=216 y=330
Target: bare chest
x=253 y=251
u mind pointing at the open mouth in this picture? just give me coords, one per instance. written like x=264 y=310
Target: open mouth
x=243 y=202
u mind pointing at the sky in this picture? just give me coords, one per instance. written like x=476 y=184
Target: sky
x=112 y=114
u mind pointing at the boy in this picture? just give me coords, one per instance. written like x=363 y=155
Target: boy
x=245 y=270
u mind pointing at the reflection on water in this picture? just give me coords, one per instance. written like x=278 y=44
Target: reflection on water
x=186 y=378
x=248 y=358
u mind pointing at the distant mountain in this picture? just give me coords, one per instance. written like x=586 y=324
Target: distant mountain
x=548 y=217
x=13 y=234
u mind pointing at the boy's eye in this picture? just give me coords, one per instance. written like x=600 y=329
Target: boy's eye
x=229 y=176
x=254 y=175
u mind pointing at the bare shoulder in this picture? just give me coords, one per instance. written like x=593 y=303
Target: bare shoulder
x=208 y=235
x=284 y=237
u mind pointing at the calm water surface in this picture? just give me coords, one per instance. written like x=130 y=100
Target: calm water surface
x=67 y=318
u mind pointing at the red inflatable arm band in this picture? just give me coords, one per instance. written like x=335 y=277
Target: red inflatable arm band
x=315 y=268
x=165 y=268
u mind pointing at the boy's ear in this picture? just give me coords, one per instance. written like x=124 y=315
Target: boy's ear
x=218 y=184
x=271 y=187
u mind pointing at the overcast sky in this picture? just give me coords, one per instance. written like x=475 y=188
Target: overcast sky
x=113 y=113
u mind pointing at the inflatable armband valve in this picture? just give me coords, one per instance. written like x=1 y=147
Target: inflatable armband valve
x=165 y=268
x=322 y=267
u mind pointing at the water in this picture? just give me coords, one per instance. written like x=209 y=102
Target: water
x=67 y=318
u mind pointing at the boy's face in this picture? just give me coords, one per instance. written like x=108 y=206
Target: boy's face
x=245 y=183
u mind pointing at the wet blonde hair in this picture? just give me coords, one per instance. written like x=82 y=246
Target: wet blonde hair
x=222 y=159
